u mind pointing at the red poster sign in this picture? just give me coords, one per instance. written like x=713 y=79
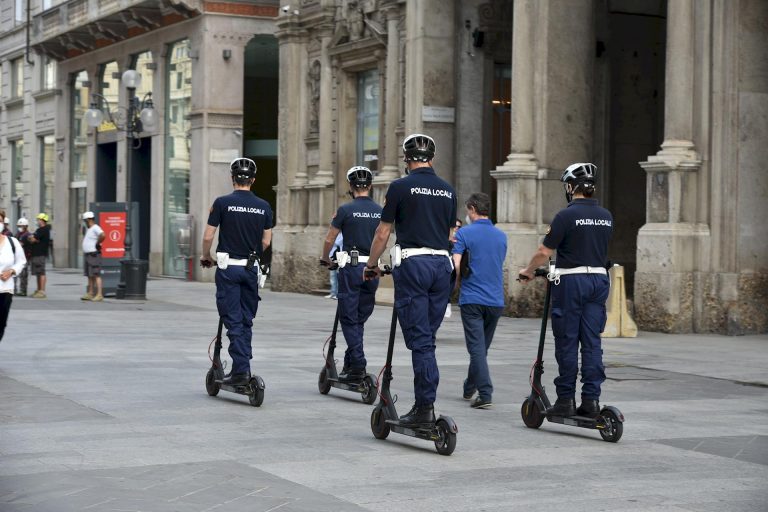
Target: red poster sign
x=113 y=224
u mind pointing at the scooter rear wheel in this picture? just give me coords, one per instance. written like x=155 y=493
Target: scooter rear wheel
x=369 y=395
x=256 y=398
x=211 y=386
x=323 y=384
x=531 y=414
x=613 y=427
x=447 y=442
x=379 y=425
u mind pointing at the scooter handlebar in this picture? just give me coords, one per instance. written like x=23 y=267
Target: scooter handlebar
x=539 y=272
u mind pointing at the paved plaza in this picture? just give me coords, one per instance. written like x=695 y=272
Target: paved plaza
x=103 y=408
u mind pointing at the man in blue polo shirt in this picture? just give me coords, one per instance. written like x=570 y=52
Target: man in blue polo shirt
x=422 y=207
x=483 y=247
x=580 y=234
x=357 y=221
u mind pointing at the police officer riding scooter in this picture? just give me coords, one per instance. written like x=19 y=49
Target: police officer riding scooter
x=244 y=222
x=357 y=221
x=422 y=207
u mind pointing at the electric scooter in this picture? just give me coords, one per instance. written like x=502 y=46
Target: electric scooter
x=384 y=417
x=609 y=422
x=254 y=389
x=329 y=377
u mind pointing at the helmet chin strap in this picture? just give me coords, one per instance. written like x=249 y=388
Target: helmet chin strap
x=568 y=192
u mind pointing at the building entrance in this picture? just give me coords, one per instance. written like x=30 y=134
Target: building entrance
x=631 y=57
x=106 y=172
x=141 y=193
x=260 y=114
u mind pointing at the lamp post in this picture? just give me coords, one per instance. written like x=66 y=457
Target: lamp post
x=137 y=117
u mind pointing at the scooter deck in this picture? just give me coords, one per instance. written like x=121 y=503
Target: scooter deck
x=348 y=386
x=425 y=431
x=576 y=421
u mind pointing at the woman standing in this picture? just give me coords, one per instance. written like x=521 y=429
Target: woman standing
x=12 y=261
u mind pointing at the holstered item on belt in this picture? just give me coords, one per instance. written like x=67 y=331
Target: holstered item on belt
x=342 y=258
x=251 y=260
x=353 y=255
x=222 y=260
x=395 y=256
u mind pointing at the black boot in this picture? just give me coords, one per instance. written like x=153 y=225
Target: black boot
x=563 y=407
x=588 y=408
x=419 y=415
x=351 y=374
x=236 y=379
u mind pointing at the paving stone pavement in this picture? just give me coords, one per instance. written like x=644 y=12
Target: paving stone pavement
x=103 y=408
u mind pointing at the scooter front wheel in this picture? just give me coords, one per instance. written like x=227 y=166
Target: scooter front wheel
x=369 y=385
x=613 y=428
x=211 y=386
x=256 y=397
x=323 y=384
x=531 y=414
x=379 y=425
x=447 y=441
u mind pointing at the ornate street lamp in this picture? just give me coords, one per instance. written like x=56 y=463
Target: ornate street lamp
x=139 y=116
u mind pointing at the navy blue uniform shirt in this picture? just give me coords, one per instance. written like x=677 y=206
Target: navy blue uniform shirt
x=580 y=234
x=357 y=221
x=487 y=247
x=242 y=218
x=423 y=208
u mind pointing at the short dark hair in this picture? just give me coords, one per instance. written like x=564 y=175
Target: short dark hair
x=480 y=202
x=242 y=182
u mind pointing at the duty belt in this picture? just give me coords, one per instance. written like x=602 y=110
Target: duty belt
x=343 y=259
x=423 y=251
x=554 y=275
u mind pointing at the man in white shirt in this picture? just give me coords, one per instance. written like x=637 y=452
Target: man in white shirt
x=94 y=235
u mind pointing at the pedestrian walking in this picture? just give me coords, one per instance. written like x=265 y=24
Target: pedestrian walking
x=580 y=234
x=481 y=299
x=356 y=221
x=40 y=240
x=12 y=262
x=22 y=235
x=244 y=222
x=422 y=207
x=92 y=240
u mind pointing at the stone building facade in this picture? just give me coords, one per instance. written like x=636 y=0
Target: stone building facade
x=210 y=68
x=668 y=97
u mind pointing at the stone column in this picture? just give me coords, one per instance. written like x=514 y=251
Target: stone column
x=325 y=172
x=669 y=244
x=389 y=170
x=551 y=126
x=516 y=179
x=292 y=172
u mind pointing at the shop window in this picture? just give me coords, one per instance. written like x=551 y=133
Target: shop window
x=368 y=89
x=79 y=131
x=47 y=169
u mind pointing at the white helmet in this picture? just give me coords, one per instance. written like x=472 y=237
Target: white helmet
x=580 y=176
x=359 y=176
x=22 y=222
x=88 y=215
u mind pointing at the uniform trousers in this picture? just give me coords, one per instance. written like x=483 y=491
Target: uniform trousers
x=578 y=318
x=356 y=300
x=237 y=299
x=422 y=288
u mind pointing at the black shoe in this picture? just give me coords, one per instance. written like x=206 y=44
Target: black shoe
x=588 y=408
x=563 y=407
x=481 y=403
x=236 y=379
x=468 y=396
x=419 y=415
x=351 y=374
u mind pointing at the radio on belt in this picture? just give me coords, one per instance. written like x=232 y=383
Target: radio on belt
x=353 y=255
